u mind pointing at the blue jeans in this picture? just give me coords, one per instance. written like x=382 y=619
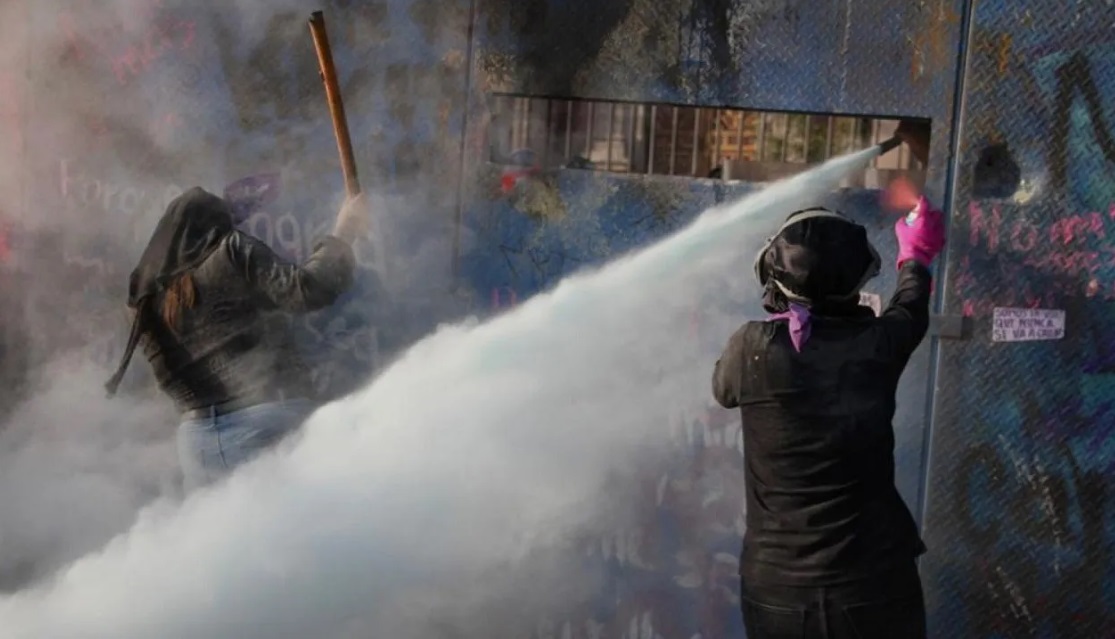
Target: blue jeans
x=211 y=447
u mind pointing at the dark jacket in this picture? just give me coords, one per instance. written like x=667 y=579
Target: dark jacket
x=822 y=507
x=225 y=348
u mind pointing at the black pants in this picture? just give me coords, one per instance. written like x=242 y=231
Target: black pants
x=890 y=606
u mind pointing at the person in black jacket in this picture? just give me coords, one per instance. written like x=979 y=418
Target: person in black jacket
x=830 y=547
x=202 y=295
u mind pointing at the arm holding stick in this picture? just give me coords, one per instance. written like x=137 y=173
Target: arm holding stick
x=352 y=219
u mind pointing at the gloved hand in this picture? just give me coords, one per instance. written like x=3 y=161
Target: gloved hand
x=352 y=220
x=921 y=235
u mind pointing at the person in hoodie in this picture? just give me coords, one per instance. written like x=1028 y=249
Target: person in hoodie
x=830 y=547
x=202 y=294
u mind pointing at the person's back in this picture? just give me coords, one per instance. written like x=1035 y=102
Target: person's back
x=206 y=298
x=229 y=345
x=830 y=545
x=822 y=507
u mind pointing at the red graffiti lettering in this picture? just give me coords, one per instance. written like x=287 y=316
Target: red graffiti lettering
x=986 y=306
x=186 y=29
x=1069 y=229
x=151 y=46
x=980 y=225
x=1035 y=264
x=987 y=229
x=1084 y=263
x=1023 y=237
x=130 y=53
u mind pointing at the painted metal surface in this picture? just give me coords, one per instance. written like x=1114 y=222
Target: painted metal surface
x=1021 y=517
x=851 y=57
x=1017 y=498
x=742 y=54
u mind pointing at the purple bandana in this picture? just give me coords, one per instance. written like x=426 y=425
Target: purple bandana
x=799 y=324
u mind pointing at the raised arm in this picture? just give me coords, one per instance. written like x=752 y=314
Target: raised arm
x=906 y=318
x=921 y=237
x=313 y=285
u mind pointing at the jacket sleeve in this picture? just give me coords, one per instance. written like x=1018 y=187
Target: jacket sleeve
x=727 y=376
x=313 y=285
x=906 y=319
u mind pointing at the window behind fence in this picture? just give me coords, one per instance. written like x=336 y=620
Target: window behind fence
x=624 y=137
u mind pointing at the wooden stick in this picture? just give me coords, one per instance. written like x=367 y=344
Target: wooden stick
x=336 y=105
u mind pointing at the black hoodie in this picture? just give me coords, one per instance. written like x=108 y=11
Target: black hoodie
x=822 y=507
x=224 y=349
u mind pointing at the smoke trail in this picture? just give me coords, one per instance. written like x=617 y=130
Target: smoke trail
x=402 y=509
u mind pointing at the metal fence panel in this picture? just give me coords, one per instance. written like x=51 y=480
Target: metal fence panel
x=858 y=57
x=1021 y=518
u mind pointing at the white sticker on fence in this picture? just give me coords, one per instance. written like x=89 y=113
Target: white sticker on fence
x=1027 y=325
x=871 y=301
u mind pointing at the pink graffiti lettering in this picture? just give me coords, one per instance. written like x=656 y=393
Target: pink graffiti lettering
x=987 y=229
x=152 y=45
x=1069 y=229
x=1058 y=248
x=1024 y=236
x=129 y=54
x=980 y=225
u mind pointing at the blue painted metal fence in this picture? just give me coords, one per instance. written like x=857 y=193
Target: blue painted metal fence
x=1014 y=477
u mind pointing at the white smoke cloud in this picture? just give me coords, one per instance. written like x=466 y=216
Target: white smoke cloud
x=74 y=469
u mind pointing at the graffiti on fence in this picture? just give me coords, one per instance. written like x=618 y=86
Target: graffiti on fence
x=81 y=187
x=1020 y=513
x=1034 y=519
x=127 y=50
x=1075 y=79
x=1003 y=242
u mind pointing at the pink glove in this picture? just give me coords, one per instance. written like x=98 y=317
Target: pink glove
x=921 y=234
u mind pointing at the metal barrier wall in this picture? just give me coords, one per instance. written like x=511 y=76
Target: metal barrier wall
x=1017 y=509
x=1017 y=514
x=815 y=58
x=1021 y=517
